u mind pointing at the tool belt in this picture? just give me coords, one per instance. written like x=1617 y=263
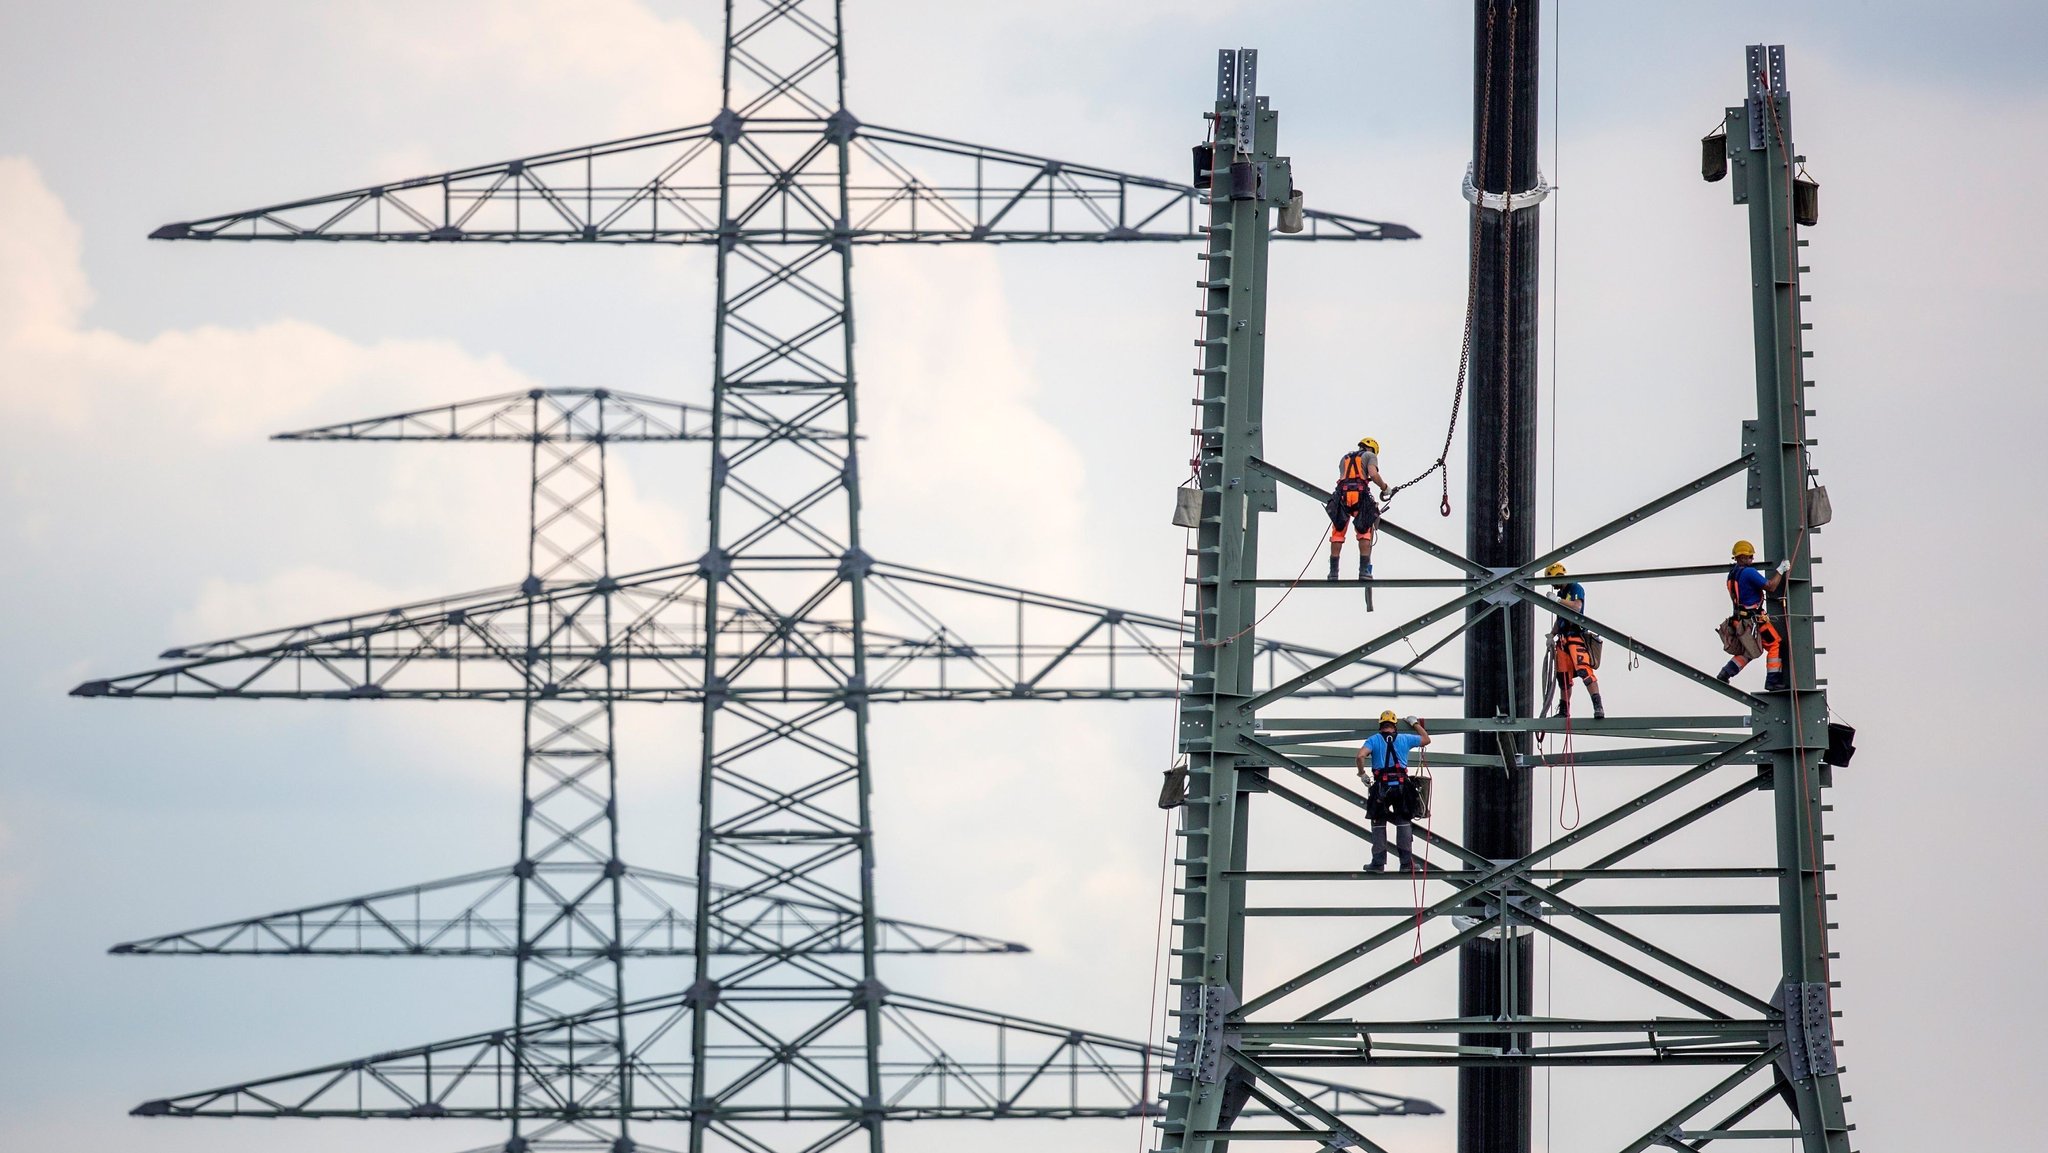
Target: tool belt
x=1397 y=797
x=1569 y=636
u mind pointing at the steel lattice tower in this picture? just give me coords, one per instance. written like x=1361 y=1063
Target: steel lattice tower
x=785 y=1035
x=1703 y=957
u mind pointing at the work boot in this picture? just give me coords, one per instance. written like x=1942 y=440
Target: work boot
x=1333 y=569
x=1364 y=569
x=1774 y=682
x=1599 y=710
x=1727 y=672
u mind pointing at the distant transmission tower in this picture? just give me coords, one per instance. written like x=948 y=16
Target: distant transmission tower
x=779 y=1042
x=569 y=910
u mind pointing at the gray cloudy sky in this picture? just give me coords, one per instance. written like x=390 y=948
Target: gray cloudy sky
x=140 y=505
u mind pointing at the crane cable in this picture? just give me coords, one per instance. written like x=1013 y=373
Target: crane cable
x=1471 y=292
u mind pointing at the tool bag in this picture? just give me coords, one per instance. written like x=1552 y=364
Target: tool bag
x=1397 y=796
x=1739 y=639
x=1593 y=647
x=1418 y=791
x=1173 y=791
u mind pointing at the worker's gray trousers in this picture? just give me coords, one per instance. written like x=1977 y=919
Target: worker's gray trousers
x=1404 y=840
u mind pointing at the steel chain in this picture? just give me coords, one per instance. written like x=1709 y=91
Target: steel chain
x=1471 y=292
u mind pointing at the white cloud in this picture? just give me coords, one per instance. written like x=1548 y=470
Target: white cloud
x=976 y=480
x=116 y=426
x=638 y=71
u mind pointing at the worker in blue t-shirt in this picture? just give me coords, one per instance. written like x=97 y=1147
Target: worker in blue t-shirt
x=1571 y=649
x=1390 y=795
x=1747 y=587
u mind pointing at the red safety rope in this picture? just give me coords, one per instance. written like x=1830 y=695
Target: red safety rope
x=1418 y=864
x=1571 y=775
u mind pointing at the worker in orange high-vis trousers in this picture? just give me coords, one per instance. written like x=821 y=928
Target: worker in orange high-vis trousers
x=1571 y=648
x=1351 y=504
x=1749 y=626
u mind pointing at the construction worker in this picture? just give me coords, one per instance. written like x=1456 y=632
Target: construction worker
x=1571 y=654
x=1389 y=794
x=1351 y=504
x=1747 y=587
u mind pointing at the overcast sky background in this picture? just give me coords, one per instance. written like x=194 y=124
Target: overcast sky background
x=140 y=505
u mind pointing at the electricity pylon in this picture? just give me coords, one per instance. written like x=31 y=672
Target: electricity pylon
x=1684 y=972
x=768 y=631
x=569 y=910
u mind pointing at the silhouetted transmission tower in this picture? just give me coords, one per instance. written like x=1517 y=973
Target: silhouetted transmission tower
x=786 y=631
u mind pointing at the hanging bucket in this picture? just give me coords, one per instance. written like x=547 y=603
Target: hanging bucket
x=1805 y=199
x=1714 y=155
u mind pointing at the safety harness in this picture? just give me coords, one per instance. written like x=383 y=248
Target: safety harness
x=1391 y=793
x=1742 y=611
x=1351 y=478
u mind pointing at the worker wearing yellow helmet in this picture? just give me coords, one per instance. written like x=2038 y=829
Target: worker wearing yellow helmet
x=1574 y=651
x=1389 y=794
x=1749 y=631
x=1351 y=504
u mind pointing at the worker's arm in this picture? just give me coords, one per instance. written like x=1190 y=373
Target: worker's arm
x=1361 y=760
x=1372 y=473
x=1421 y=730
x=1777 y=579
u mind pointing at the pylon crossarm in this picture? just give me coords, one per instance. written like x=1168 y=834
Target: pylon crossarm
x=465 y=1076
x=551 y=416
x=476 y=647
x=405 y=922
x=901 y=187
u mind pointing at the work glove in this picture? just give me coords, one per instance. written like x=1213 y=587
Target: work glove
x=1784 y=566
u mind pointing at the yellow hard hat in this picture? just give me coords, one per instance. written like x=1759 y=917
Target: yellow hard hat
x=1742 y=548
x=1555 y=570
x=1388 y=718
x=1368 y=443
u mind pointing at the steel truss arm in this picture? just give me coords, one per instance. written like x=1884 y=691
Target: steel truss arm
x=941 y=1061
x=664 y=188
x=1027 y=646
x=473 y=915
x=550 y=415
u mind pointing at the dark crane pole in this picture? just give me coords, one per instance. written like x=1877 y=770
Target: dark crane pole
x=1495 y=972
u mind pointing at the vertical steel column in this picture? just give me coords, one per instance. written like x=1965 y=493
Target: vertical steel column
x=788 y=1038
x=1247 y=181
x=568 y=955
x=1495 y=975
x=1762 y=161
